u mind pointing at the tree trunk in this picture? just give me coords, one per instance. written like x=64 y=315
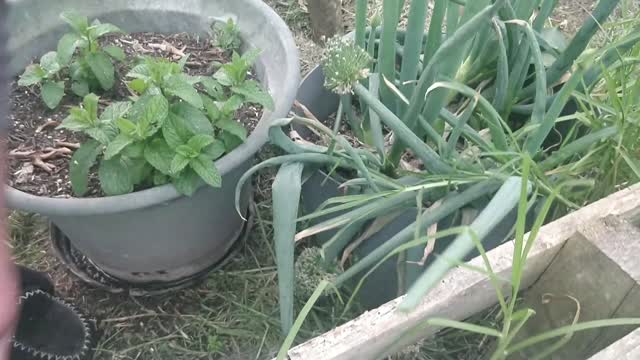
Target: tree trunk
x=326 y=18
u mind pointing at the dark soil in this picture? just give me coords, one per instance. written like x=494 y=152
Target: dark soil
x=39 y=153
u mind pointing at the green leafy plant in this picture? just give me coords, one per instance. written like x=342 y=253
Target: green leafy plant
x=170 y=133
x=471 y=100
x=79 y=54
x=47 y=75
x=226 y=35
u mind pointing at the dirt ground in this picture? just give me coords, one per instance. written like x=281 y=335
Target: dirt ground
x=233 y=314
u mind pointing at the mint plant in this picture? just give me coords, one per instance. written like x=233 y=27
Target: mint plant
x=91 y=70
x=226 y=35
x=172 y=131
x=47 y=75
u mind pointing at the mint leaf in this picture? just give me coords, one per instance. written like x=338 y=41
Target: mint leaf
x=115 y=52
x=138 y=86
x=77 y=120
x=80 y=88
x=174 y=131
x=177 y=86
x=115 y=111
x=126 y=126
x=230 y=141
x=187 y=183
x=178 y=164
x=83 y=159
x=98 y=134
x=116 y=146
x=215 y=150
x=49 y=63
x=159 y=155
x=223 y=77
x=78 y=22
x=52 y=93
x=159 y=179
x=206 y=169
x=134 y=150
x=102 y=68
x=212 y=87
x=200 y=141
x=140 y=71
x=232 y=105
x=139 y=170
x=190 y=79
x=253 y=93
x=90 y=104
x=210 y=107
x=192 y=118
x=251 y=56
x=114 y=177
x=99 y=30
x=32 y=75
x=151 y=112
x=67 y=47
x=233 y=127
x=183 y=61
x=186 y=151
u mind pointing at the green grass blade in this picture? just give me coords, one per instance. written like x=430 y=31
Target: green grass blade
x=494 y=120
x=546 y=9
x=413 y=45
x=596 y=324
x=540 y=100
x=579 y=43
x=332 y=248
x=477 y=329
x=361 y=22
x=502 y=75
x=434 y=36
x=286 y=197
x=366 y=212
x=470 y=133
x=430 y=217
x=577 y=147
x=320 y=159
x=291 y=337
x=354 y=123
x=448 y=52
x=429 y=157
x=453 y=17
x=524 y=8
x=611 y=56
x=497 y=209
x=463 y=119
x=387 y=51
x=534 y=143
x=375 y=126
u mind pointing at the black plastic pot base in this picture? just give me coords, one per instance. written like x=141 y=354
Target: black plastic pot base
x=90 y=273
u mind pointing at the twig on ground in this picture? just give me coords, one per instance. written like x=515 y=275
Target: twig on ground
x=49 y=123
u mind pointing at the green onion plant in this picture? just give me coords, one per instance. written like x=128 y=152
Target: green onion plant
x=475 y=100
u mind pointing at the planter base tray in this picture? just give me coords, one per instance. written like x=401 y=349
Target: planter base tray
x=90 y=273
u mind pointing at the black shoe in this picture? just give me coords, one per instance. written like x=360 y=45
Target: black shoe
x=49 y=328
